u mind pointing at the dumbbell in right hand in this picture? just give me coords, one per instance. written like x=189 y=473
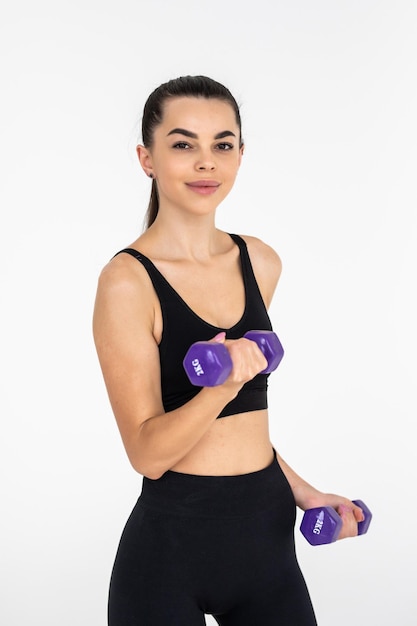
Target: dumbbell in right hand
x=208 y=364
x=323 y=525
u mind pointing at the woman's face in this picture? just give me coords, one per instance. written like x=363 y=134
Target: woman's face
x=195 y=155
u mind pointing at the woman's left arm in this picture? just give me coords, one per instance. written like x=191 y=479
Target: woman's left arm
x=267 y=267
x=308 y=497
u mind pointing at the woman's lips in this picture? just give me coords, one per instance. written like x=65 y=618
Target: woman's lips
x=204 y=187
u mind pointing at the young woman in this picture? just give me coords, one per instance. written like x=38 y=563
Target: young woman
x=213 y=529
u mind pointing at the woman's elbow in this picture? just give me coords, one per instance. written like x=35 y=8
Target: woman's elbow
x=151 y=470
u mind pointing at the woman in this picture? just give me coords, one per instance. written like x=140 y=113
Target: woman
x=213 y=529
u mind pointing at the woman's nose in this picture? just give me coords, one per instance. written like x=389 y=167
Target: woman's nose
x=205 y=162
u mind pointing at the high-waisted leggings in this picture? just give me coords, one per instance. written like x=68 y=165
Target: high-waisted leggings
x=219 y=545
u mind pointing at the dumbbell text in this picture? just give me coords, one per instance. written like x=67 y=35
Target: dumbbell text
x=197 y=367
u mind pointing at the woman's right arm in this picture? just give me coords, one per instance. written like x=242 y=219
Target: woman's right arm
x=125 y=333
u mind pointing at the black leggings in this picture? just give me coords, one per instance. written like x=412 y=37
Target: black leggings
x=219 y=545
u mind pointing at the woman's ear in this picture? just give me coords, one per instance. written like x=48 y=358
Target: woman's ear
x=145 y=159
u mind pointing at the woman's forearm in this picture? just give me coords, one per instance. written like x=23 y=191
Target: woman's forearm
x=162 y=441
x=306 y=496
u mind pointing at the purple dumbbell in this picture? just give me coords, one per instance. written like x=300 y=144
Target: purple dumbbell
x=208 y=364
x=323 y=524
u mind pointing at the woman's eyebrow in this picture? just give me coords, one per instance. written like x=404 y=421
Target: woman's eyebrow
x=188 y=133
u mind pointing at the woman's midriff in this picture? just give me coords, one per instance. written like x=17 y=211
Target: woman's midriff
x=234 y=445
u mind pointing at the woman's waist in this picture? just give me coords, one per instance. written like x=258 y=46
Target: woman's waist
x=191 y=495
x=234 y=445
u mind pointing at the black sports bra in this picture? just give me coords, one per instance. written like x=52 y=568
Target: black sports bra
x=182 y=327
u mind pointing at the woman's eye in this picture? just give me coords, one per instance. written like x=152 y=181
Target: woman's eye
x=181 y=145
x=225 y=146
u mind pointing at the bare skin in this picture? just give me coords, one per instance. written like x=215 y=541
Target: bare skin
x=202 y=264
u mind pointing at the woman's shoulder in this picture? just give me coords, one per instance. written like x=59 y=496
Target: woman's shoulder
x=124 y=276
x=266 y=263
x=125 y=302
x=262 y=253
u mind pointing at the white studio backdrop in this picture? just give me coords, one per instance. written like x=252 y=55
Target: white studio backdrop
x=328 y=99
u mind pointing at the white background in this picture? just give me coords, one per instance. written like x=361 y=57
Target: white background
x=328 y=98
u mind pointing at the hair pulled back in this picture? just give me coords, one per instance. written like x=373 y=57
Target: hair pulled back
x=184 y=86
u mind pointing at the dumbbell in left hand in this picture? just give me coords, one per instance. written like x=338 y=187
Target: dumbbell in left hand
x=208 y=363
x=323 y=525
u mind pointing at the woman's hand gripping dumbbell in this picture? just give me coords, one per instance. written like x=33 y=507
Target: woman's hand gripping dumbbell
x=208 y=363
x=323 y=525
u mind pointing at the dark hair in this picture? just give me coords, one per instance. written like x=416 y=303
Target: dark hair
x=188 y=86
